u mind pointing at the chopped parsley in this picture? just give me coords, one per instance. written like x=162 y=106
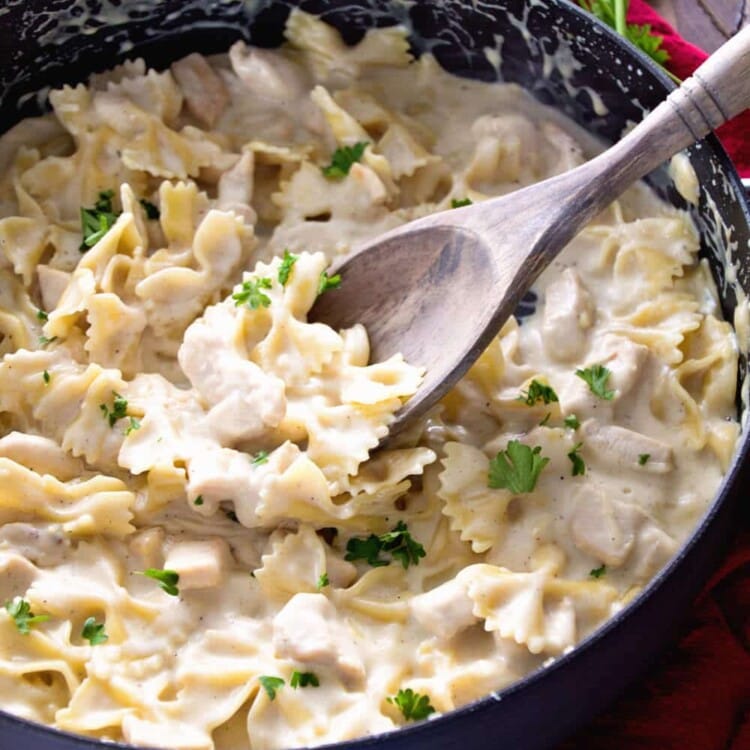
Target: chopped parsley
x=42 y=315
x=596 y=378
x=20 y=611
x=133 y=424
x=168 y=579
x=572 y=422
x=460 y=202
x=397 y=543
x=304 y=679
x=538 y=392
x=322 y=581
x=579 y=467
x=94 y=632
x=118 y=411
x=271 y=685
x=43 y=340
x=287 y=263
x=97 y=221
x=546 y=419
x=152 y=211
x=198 y=500
x=260 y=458
x=413 y=706
x=251 y=295
x=517 y=468
x=46 y=377
x=643 y=459
x=598 y=572
x=342 y=160
x=328 y=282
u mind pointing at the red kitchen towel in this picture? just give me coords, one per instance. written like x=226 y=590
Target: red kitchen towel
x=684 y=59
x=697 y=697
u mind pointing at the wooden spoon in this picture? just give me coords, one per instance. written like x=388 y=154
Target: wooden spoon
x=440 y=288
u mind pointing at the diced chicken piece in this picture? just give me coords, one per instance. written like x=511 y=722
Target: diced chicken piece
x=445 y=610
x=52 y=284
x=653 y=548
x=568 y=314
x=623 y=448
x=43 y=546
x=200 y=565
x=205 y=94
x=268 y=74
x=604 y=528
x=40 y=454
x=309 y=630
x=236 y=188
x=148 y=545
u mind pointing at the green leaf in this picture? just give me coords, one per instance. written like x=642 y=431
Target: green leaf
x=538 y=392
x=250 y=293
x=118 y=411
x=304 y=679
x=46 y=377
x=643 y=459
x=42 y=315
x=596 y=377
x=198 y=500
x=517 y=468
x=287 y=263
x=94 y=632
x=97 y=221
x=271 y=685
x=460 y=202
x=133 y=424
x=168 y=579
x=579 y=467
x=43 y=340
x=327 y=282
x=598 y=572
x=20 y=611
x=152 y=211
x=413 y=706
x=260 y=458
x=397 y=543
x=342 y=160
x=323 y=581
x=546 y=419
x=572 y=422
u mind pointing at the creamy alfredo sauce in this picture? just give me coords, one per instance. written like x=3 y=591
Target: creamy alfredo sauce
x=195 y=550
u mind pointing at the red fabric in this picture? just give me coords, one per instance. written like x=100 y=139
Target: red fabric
x=684 y=59
x=697 y=697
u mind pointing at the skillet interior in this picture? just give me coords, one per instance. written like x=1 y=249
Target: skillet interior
x=553 y=50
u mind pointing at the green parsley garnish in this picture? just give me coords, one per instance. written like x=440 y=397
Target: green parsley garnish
x=43 y=340
x=517 y=468
x=133 y=424
x=596 y=377
x=413 y=706
x=260 y=458
x=546 y=419
x=304 y=679
x=579 y=468
x=322 y=581
x=271 y=685
x=342 y=160
x=251 y=295
x=538 y=392
x=118 y=411
x=460 y=203
x=198 y=500
x=46 y=377
x=287 y=263
x=614 y=13
x=598 y=572
x=152 y=211
x=94 y=632
x=572 y=422
x=42 y=315
x=97 y=221
x=643 y=459
x=398 y=543
x=20 y=610
x=328 y=282
x=168 y=579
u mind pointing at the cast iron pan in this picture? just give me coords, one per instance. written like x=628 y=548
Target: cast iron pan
x=561 y=56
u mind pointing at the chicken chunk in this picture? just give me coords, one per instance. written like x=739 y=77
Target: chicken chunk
x=445 y=610
x=622 y=448
x=309 y=630
x=200 y=564
x=205 y=94
x=268 y=74
x=568 y=314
